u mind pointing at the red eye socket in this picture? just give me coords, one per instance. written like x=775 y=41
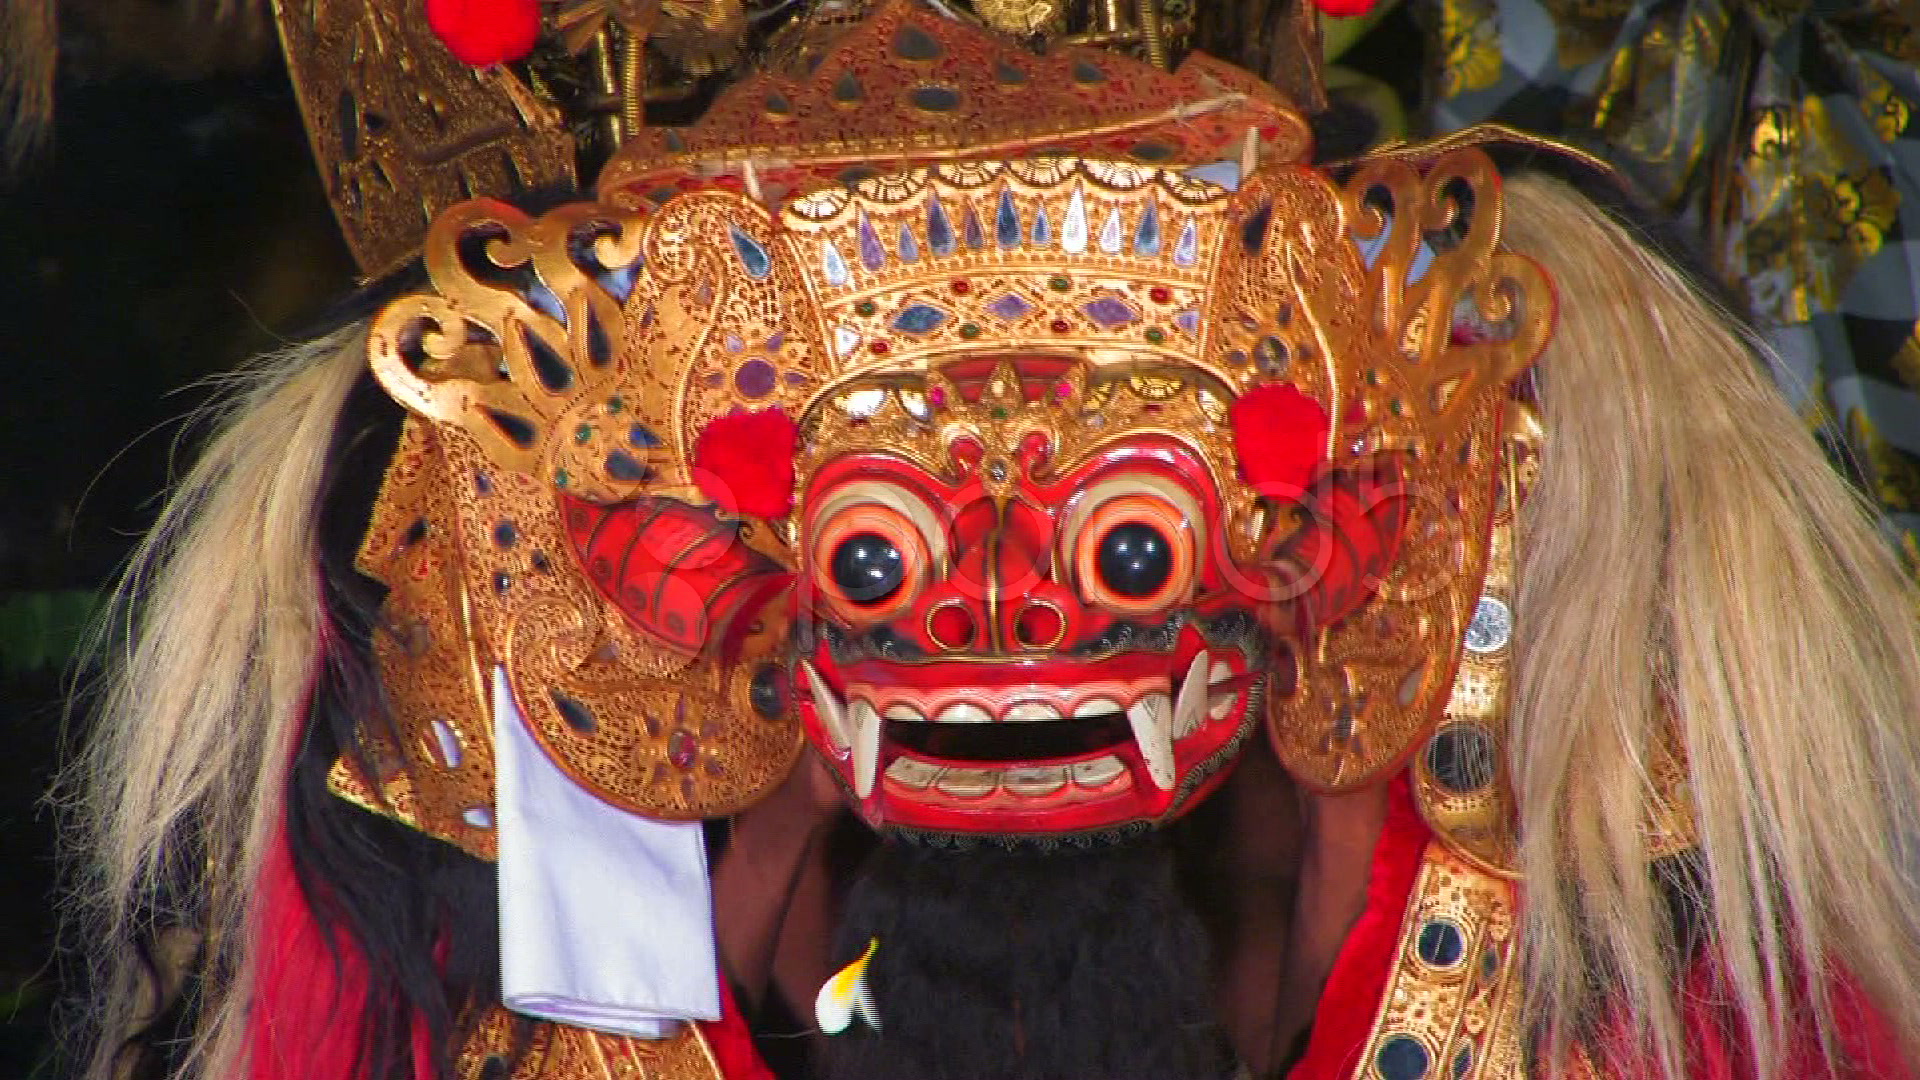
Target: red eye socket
x=869 y=560
x=1134 y=553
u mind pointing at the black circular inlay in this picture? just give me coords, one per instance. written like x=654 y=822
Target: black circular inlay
x=1460 y=757
x=1134 y=559
x=868 y=568
x=768 y=691
x=504 y=534
x=1402 y=1058
x=1441 y=943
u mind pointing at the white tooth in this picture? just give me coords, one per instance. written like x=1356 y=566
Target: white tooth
x=1033 y=710
x=1099 y=772
x=1191 y=709
x=833 y=716
x=902 y=712
x=1035 y=779
x=914 y=774
x=1152 y=720
x=865 y=722
x=1219 y=672
x=968 y=783
x=963 y=713
x=1096 y=707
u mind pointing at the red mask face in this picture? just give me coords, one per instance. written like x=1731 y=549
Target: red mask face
x=1066 y=659
x=1024 y=645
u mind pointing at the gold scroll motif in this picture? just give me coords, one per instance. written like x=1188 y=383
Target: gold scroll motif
x=1370 y=687
x=401 y=130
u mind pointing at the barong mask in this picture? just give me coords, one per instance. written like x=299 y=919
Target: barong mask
x=1022 y=442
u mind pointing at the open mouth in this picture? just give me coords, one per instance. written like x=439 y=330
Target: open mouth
x=1028 y=739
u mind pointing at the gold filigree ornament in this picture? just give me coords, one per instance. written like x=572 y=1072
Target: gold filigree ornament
x=402 y=130
x=563 y=368
x=1452 y=1005
x=503 y=1047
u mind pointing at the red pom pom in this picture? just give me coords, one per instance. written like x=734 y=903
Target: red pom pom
x=744 y=462
x=485 y=32
x=1343 y=9
x=1280 y=436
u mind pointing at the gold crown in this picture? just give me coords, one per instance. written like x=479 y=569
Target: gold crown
x=401 y=129
x=571 y=361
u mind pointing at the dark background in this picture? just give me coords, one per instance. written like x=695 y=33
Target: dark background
x=170 y=226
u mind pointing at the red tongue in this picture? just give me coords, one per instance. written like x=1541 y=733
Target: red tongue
x=1007 y=743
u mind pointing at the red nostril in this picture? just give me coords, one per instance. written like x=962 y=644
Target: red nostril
x=1039 y=626
x=951 y=627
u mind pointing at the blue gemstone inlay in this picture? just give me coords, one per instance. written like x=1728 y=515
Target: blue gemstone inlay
x=1441 y=943
x=939 y=229
x=919 y=318
x=872 y=255
x=643 y=437
x=832 y=265
x=909 y=249
x=1402 y=1058
x=1109 y=312
x=752 y=255
x=1188 y=320
x=976 y=236
x=1006 y=222
x=1186 y=250
x=1042 y=229
x=1008 y=306
x=1462 y=1063
x=1146 y=239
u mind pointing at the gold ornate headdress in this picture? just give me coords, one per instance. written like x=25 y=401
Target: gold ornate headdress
x=402 y=129
x=570 y=362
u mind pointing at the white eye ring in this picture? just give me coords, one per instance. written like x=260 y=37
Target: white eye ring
x=894 y=497
x=1130 y=483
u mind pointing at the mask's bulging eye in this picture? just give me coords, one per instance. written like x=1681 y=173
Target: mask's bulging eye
x=868 y=568
x=873 y=547
x=1133 y=545
x=1134 y=559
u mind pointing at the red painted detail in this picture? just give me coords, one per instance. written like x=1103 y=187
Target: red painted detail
x=679 y=574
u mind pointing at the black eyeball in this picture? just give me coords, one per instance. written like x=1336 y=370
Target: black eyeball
x=867 y=568
x=1135 y=560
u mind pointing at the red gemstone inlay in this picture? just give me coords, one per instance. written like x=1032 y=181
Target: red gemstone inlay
x=1060 y=326
x=962 y=286
x=681 y=748
x=879 y=347
x=1159 y=295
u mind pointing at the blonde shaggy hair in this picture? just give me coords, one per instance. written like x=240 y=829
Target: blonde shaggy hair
x=179 y=790
x=1689 y=559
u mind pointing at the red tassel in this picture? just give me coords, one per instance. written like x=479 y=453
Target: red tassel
x=1280 y=436
x=1343 y=9
x=744 y=462
x=485 y=32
